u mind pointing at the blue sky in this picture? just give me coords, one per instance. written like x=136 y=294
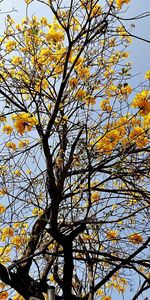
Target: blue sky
x=140 y=51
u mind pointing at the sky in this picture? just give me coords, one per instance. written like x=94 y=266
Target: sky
x=139 y=50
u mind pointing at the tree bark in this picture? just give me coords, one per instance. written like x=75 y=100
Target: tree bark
x=68 y=270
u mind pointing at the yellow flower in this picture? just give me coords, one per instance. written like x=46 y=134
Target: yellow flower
x=126 y=90
x=3 y=170
x=147 y=121
x=136 y=132
x=90 y=100
x=16 y=241
x=54 y=35
x=11 y=145
x=108 y=73
x=51 y=278
x=147 y=75
x=44 y=21
x=23 y=143
x=73 y=82
x=41 y=85
x=24 y=122
x=136 y=238
x=123 y=34
x=17 y=297
x=112 y=234
x=28 y=1
x=124 y=54
x=16 y=60
x=37 y=211
x=3 y=191
x=7 y=129
x=86 y=237
x=100 y=292
x=142 y=142
x=138 y=136
x=2 y=209
x=106 y=298
x=83 y=73
x=95 y=197
x=17 y=173
x=4 y=257
x=81 y=93
x=3 y=295
x=6 y=232
x=28 y=171
x=2 y=118
x=96 y=11
x=141 y=101
x=120 y=3
x=105 y=105
x=10 y=45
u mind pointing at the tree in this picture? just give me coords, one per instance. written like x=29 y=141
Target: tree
x=74 y=155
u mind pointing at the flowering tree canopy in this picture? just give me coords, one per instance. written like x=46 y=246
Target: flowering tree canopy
x=74 y=155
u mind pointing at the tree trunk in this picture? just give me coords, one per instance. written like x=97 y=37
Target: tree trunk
x=68 y=270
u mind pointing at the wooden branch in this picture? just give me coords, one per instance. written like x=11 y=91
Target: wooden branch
x=126 y=261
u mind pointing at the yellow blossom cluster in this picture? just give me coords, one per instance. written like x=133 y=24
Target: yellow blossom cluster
x=10 y=45
x=122 y=92
x=73 y=82
x=6 y=232
x=3 y=191
x=90 y=100
x=17 y=297
x=23 y=143
x=108 y=141
x=136 y=238
x=81 y=94
x=16 y=60
x=4 y=254
x=19 y=240
x=106 y=298
x=118 y=283
x=95 y=197
x=3 y=295
x=11 y=145
x=7 y=129
x=95 y=10
x=123 y=34
x=28 y=1
x=105 y=105
x=139 y=137
x=2 y=208
x=147 y=75
x=51 y=278
x=42 y=50
x=146 y=121
x=120 y=3
x=54 y=35
x=2 y=118
x=142 y=102
x=126 y=131
x=17 y=173
x=37 y=211
x=112 y=234
x=24 y=122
